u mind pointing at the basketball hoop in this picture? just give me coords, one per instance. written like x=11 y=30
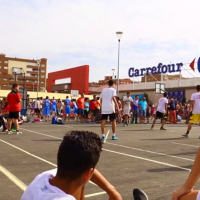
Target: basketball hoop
x=16 y=71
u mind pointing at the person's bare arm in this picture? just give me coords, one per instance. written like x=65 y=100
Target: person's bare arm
x=193 y=178
x=166 y=107
x=115 y=101
x=101 y=181
x=191 y=105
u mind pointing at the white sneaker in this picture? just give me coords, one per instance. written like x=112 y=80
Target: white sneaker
x=19 y=133
x=9 y=132
x=1 y=127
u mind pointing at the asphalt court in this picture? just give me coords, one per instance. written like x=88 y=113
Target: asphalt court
x=155 y=161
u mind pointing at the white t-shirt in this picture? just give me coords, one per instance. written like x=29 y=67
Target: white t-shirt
x=127 y=102
x=108 y=105
x=161 y=104
x=37 y=104
x=41 y=189
x=196 y=98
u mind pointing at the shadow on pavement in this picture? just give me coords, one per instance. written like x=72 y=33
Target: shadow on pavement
x=179 y=138
x=47 y=140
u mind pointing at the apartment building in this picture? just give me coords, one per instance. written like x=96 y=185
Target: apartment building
x=30 y=71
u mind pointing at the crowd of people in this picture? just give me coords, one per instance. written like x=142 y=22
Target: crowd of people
x=68 y=180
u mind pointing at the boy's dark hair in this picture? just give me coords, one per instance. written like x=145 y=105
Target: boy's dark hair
x=78 y=152
x=67 y=97
x=165 y=94
x=198 y=88
x=14 y=85
x=38 y=98
x=128 y=92
x=136 y=95
x=110 y=82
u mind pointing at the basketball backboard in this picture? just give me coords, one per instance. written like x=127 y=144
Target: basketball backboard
x=74 y=93
x=17 y=71
x=160 y=88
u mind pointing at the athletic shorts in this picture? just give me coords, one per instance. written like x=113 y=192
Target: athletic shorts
x=94 y=112
x=111 y=116
x=160 y=115
x=194 y=118
x=13 y=115
x=80 y=111
x=143 y=113
x=86 y=113
x=37 y=110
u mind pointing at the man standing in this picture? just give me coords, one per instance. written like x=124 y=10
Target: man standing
x=127 y=100
x=135 y=110
x=143 y=113
x=172 y=111
x=67 y=108
x=108 y=103
x=161 y=111
x=93 y=108
x=194 y=110
x=81 y=106
x=14 y=102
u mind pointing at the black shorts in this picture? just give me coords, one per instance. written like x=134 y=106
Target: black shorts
x=37 y=110
x=86 y=113
x=111 y=116
x=13 y=115
x=160 y=115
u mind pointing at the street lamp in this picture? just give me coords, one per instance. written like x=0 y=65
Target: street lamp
x=119 y=35
x=38 y=63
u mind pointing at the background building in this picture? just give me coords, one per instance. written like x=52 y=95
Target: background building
x=30 y=69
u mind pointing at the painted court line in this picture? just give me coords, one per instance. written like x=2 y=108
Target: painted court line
x=146 y=159
x=107 y=136
x=129 y=155
x=189 y=145
x=13 y=178
x=152 y=152
x=23 y=186
x=30 y=154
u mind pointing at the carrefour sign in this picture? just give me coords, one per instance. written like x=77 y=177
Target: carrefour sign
x=160 y=69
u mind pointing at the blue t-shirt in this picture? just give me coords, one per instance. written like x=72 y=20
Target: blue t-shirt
x=143 y=105
x=134 y=106
x=87 y=104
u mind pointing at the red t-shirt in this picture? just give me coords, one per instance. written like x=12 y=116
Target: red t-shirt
x=93 y=104
x=81 y=103
x=14 y=101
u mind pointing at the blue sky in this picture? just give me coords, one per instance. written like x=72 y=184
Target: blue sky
x=74 y=33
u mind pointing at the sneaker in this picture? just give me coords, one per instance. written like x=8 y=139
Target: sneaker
x=114 y=138
x=139 y=194
x=163 y=129
x=185 y=135
x=18 y=132
x=4 y=130
x=9 y=132
x=103 y=138
x=1 y=127
x=125 y=125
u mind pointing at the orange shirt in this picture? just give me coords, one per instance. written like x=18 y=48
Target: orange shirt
x=81 y=103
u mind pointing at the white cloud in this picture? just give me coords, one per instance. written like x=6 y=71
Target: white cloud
x=72 y=33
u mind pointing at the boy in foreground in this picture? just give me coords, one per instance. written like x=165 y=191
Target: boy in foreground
x=78 y=154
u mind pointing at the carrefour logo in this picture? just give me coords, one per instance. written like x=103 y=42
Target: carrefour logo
x=161 y=69
x=198 y=65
